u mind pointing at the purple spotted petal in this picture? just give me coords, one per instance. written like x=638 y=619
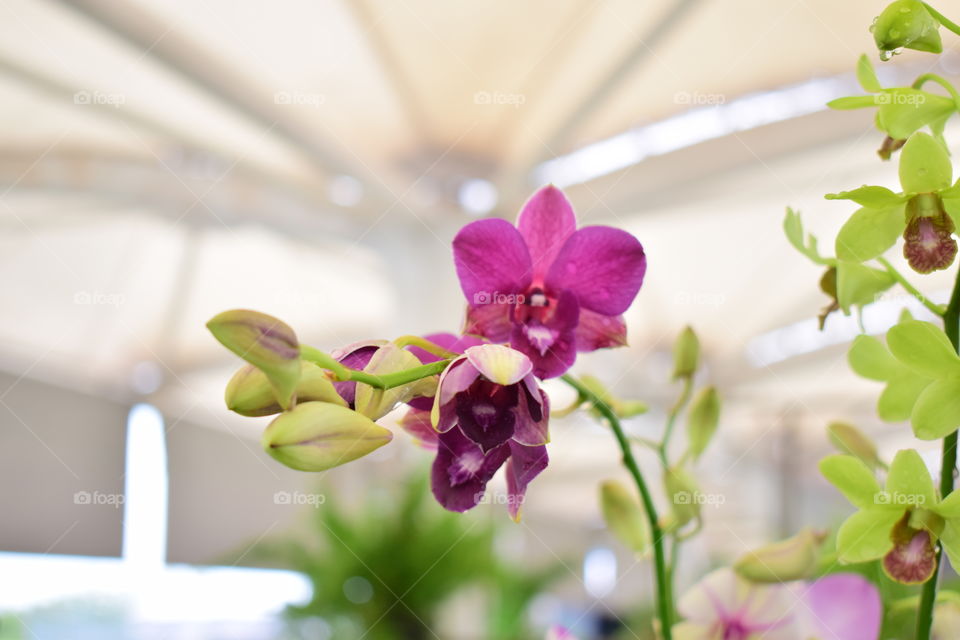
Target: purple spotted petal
x=846 y=606
x=603 y=266
x=545 y=222
x=492 y=260
x=597 y=331
x=533 y=417
x=461 y=470
x=489 y=320
x=524 y=465
x=551 y=346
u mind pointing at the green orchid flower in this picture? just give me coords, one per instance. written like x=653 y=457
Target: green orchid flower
x=848 y=283
x=923 y=213
x=900 y=523
x=922 y=372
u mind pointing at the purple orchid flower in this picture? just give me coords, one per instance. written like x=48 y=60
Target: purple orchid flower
x=489 y=410
x=546 y=287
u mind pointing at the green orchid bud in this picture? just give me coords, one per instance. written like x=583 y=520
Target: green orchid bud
x=686 y=354
x=265 y=342
x=828 y=284
x=630 y=408
x=792 y=559
x=249 y=392
x=623 y=516
x=848 y=439
x=316 y=436
x=621 y=408
x=684 y=495
x=702 y=421
x=376 y=403
x=906 y=24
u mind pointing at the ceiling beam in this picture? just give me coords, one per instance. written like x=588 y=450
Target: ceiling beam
x=203 y=68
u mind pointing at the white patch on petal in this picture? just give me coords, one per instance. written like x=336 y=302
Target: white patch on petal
x=499 y=363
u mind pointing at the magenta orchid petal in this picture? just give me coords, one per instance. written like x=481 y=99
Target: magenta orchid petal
x=524 y=465
x=354 y=356
x=597 y=331
x=417 y=423
x=457 y=377
x=461 y=470
x=532 y=422
x=545 y=222
x=492 y=260
x=603 y=266
x=489 y=320
x=844 y=605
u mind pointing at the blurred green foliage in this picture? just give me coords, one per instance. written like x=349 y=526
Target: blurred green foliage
x=383 y=569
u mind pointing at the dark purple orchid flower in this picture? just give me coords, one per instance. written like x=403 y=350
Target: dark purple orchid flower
x=546 y=287
x=488 y=410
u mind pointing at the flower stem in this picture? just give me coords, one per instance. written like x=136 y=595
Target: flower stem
x=896 y=275
x=426 y=345
x=664 y=606
x=932 y=77
x=383 y=381
x=928 y=597
x=943 y=20
x=672 y=419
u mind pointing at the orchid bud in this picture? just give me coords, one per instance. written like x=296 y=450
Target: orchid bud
x=265 y=342
x=703 y=420
x=791 y=559
x=848 y=439
x=686 y=354
x=623 y=516
x=890 y=146
x=906 y=24
x=249 y=392
x=315 y=436
x=684 y=495
x=376 y=403
x=929 y=244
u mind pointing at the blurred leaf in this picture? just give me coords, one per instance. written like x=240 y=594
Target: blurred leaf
x=702 y=420
x=804 y=243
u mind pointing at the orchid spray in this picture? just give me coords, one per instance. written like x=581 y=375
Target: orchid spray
x=909 y=524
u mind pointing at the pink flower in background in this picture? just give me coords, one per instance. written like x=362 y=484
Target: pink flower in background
x=546 y=287
x=725 y=606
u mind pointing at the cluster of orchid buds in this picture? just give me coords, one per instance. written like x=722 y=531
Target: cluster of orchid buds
x=537 y=294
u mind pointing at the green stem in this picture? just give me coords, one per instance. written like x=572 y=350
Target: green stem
x=943 y=20
x=383 y=381
x=426 y=345
x=932 y=77
x=664 y=606
x=672 y=418
x=932 y=306
x=928 y=597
